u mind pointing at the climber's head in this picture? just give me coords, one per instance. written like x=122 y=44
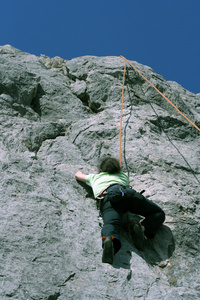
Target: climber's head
x=110 y=165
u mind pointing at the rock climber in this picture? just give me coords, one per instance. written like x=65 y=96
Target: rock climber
x=115 y=198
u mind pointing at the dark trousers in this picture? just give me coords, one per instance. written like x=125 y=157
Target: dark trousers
x=133 y=202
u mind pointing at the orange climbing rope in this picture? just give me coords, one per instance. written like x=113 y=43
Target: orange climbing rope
x=125 y=60
x=120 y=137
x=161 y=93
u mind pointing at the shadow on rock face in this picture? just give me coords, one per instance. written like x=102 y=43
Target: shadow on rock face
x=160 y=248
x=156 y=251
x=87 y=188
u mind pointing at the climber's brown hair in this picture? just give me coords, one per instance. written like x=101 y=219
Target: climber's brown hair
x=109 y=165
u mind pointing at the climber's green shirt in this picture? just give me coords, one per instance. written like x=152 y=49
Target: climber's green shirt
x=102 y=180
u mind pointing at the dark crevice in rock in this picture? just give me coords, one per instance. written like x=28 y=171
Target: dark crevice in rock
x=132 y=77
x=166 y=122
x=9 y=89
x=177 y=128
x=157 y=77
x=54 y=297
x=2 y=89
x=74 y=77
x=35 y=104
x=79 y=89
x=70 y=277
x=20 y=108
x=85 y=98
x=34 y=141
x=79 y=133
x=129 y=276
x=93 y=105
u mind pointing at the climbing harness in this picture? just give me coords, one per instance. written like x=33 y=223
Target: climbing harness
x=126 y=61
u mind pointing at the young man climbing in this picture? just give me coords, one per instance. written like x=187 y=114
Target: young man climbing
x=111 y=189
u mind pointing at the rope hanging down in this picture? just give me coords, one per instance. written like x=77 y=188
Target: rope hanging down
x=120 y=137
x=125 y=60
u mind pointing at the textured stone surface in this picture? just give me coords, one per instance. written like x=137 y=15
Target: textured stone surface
x=60 y=116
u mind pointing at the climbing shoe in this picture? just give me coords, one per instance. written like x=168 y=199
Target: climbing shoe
x=108 y=250
x=138 y=236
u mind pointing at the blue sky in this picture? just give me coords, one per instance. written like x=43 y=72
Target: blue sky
x=163 y=34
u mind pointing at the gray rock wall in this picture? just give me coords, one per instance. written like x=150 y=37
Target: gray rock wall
x=58 y=117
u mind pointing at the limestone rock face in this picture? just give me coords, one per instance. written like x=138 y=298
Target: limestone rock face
x=58 y=117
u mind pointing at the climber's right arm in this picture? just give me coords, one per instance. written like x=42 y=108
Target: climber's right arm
x=80 y=176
